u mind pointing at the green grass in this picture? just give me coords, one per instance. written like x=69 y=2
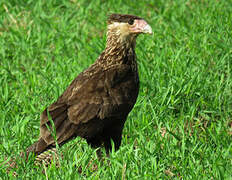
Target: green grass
x=181 y=126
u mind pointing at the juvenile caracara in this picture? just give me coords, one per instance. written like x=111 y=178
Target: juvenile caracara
x=96 y=104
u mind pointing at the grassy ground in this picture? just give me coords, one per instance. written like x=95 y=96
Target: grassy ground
x=181 y=126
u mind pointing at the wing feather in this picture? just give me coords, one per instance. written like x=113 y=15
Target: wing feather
x=87 y=98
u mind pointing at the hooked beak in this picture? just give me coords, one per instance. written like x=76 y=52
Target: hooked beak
x=147 y=29
x=141 y=26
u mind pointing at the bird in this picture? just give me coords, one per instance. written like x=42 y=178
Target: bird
x=96 y=104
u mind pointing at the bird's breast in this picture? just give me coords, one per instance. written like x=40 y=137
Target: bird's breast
x=123 y=85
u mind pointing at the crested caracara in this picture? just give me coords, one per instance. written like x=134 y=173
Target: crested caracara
x=97 y=102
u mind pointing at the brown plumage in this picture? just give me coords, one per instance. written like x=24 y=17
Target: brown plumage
x=96 y=104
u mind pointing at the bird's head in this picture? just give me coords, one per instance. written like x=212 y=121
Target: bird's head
x=127 y=27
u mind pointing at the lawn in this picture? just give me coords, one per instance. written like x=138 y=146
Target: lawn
x=181 y=125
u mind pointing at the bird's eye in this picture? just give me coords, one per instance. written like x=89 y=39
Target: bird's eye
x=131 y=21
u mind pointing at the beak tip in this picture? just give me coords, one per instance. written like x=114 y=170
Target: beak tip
x=147 y=29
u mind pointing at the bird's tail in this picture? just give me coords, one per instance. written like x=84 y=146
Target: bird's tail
x=43 y=155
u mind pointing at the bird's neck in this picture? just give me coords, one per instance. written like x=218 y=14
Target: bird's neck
x=119 y=51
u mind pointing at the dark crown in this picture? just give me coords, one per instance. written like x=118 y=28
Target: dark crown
x=122 y=18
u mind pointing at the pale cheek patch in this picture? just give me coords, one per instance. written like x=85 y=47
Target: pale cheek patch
x=119 y=28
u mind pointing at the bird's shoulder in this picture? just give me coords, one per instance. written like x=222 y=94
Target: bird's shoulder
x=96 y=79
